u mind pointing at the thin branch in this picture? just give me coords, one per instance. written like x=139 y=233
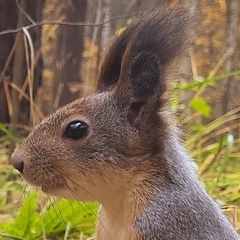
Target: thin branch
x=8 y=97
x=7 y=62
x=18 y=89
x=80 y=24
x=30 y=67
x=24 y=12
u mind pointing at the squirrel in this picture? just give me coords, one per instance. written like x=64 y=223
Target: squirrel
x=119 y=146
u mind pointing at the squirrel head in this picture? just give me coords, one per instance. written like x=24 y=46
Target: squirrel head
x=106 y=142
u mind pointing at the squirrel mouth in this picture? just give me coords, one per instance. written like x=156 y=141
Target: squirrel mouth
x=46 y=188
x=52 y=187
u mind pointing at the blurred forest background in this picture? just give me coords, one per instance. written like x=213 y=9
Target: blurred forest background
x=50 y=51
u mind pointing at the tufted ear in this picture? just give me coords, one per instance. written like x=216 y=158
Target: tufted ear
x=157 y=39
x=147 y=86
x=144 y=77
x=111 y=63
x=163 y=33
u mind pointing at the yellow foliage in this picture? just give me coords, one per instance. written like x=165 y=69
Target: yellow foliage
x=223 y=5
x=90 y=50
x=120 y=30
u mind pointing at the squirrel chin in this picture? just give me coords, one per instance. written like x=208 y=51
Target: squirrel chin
x=53 y=190
x=47 y=189
x=63 y=192
x=56 y=191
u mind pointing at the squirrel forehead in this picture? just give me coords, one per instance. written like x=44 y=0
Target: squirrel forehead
x=86 y=105
x=84 y=108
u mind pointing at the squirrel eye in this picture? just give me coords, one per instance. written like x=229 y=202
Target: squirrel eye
x=76 y=130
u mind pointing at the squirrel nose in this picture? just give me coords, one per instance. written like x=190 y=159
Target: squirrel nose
x=17 y=162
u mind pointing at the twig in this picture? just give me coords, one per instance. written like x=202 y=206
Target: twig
x=17 y=88
x=24 y=12
x=30 y=66
x=6 y=65
x=36 y=57
x=80 y=24
x=8 y=96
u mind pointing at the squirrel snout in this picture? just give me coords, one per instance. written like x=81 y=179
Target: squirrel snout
x=17 y=162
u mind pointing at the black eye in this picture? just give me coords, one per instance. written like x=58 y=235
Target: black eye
x=76 y=130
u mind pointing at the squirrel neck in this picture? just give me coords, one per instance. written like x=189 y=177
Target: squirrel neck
x=120 y=210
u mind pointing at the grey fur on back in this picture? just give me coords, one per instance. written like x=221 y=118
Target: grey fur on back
x=181 y=209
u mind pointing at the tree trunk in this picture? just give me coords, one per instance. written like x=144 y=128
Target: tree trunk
x=7 y=11
x=188 y=68
x=69 y=48
x=232 y=38
x=106 y=28
x=16 y=70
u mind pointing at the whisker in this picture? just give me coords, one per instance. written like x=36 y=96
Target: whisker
x=60 y=213
x=33 y=146
x=86 y=213
x=77 y=184
x=99 y=221
x=24 y=191
x=74 y=193
x=27 y=191
x=44 y=214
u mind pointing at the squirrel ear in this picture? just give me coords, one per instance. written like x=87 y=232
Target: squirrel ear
x=111 y=64
x=162 y=33
x=146 y=84
x=145 y=76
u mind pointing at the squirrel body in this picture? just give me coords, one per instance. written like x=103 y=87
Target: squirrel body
x=119 y=146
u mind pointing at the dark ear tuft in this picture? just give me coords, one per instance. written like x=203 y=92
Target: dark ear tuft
x=163 y=33
x=111 y=63
x=146 y=85
x=145 y=76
